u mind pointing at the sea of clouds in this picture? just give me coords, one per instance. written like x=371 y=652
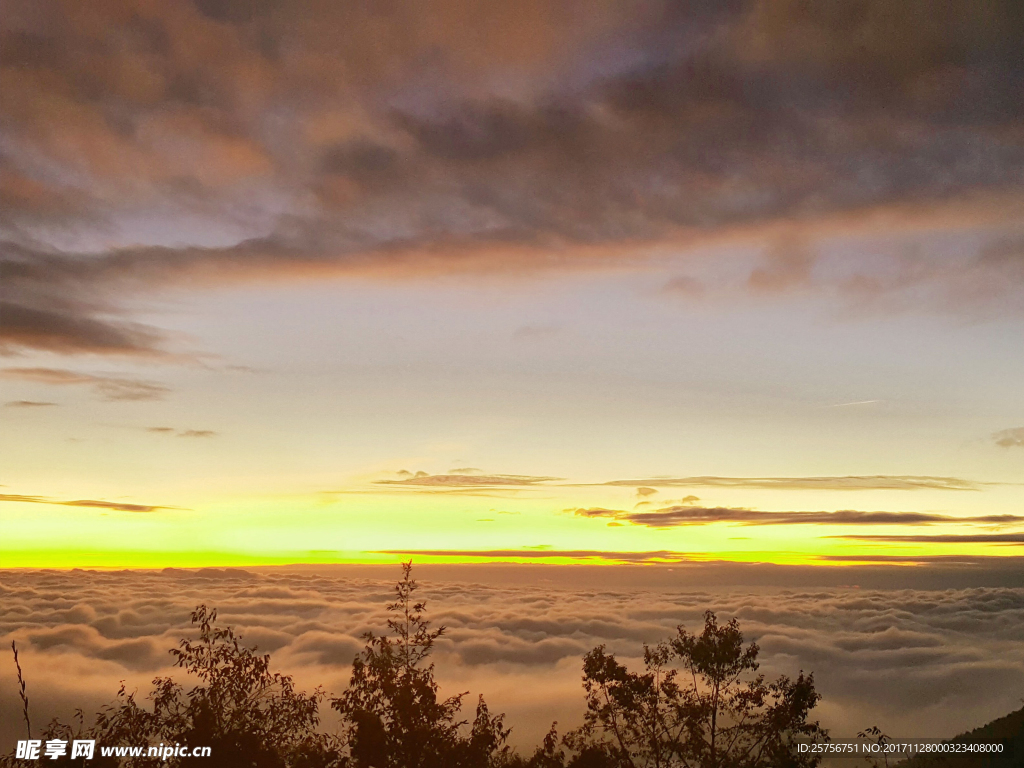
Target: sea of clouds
x=916 y=662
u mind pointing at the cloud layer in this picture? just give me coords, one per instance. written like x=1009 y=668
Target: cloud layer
x=446 y=136
x=919 y=663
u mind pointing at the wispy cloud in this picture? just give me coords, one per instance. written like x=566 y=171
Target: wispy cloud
x=73 y=331
x=670 y=517
x=28 y=404
x=467 y=480
x=838 y=483
x=181 y=432
x=118 y=506
x=1010 y=438
x=109 y=387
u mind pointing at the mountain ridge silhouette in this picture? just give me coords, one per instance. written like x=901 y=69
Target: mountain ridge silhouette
x=1008 y=729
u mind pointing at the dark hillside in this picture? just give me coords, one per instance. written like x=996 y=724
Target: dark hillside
x=1009 y=729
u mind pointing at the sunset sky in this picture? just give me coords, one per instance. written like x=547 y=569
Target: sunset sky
x=604 y=282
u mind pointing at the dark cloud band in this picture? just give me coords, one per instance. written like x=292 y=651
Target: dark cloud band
x=549 y=554
x=670 y=517
x=118 y=506
x=946 y=538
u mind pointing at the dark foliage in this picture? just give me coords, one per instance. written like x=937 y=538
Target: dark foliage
x=248 y=715
x=391 y=709
x=698 y=704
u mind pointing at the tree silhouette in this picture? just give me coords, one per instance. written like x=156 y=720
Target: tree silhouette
x=698 y=704
x=249 y=716
x=393 y=714
x=246 y=713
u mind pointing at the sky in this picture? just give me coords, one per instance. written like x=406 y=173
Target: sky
x=607 y=282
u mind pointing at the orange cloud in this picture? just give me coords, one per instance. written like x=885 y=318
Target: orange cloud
x=89 y=503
